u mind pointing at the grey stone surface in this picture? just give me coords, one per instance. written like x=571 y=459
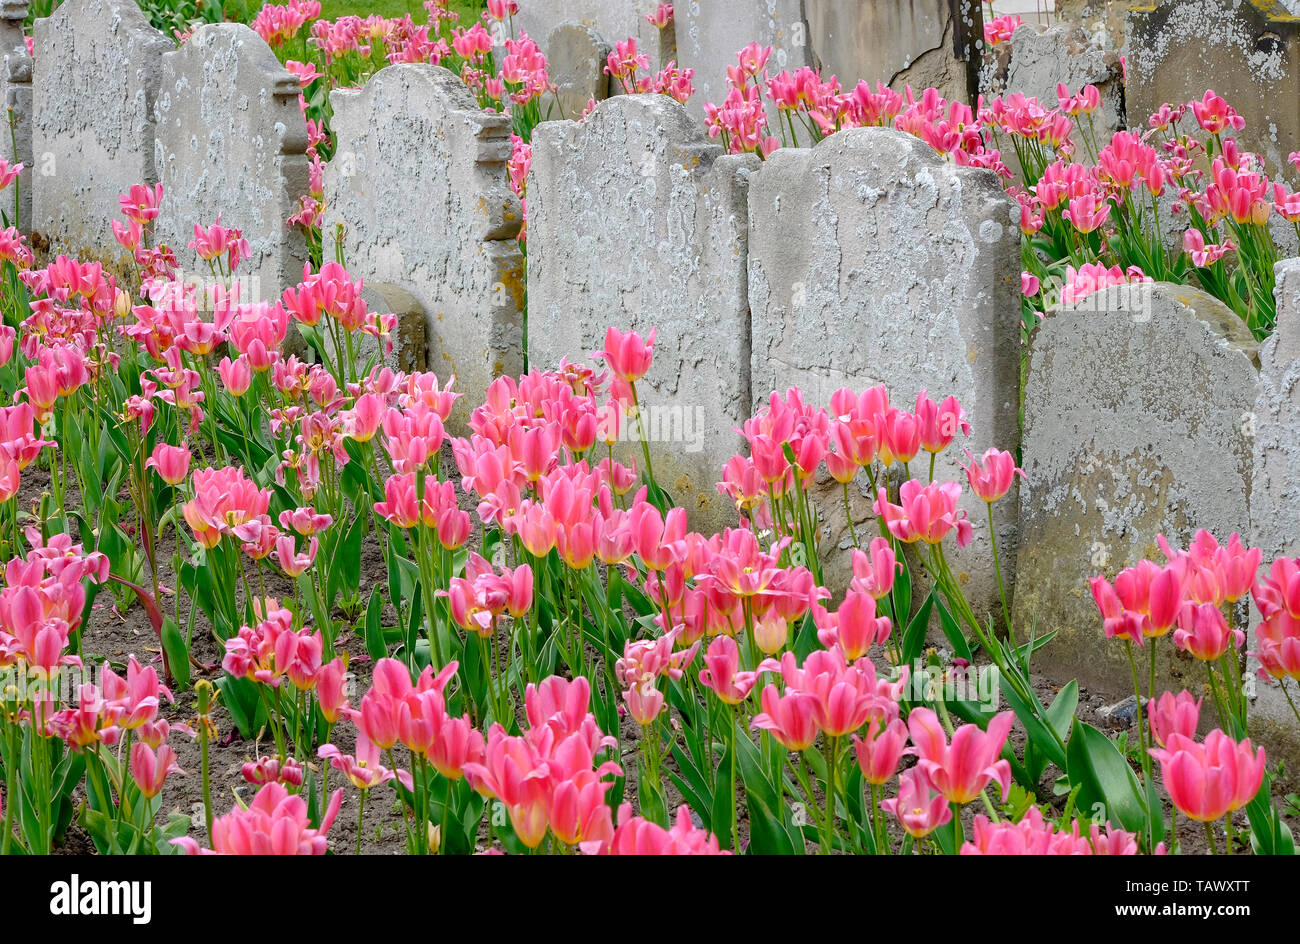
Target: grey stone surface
x=1036 y=60
x=709 y=34
x=922 y=43
x=419 y=184
x=636 y=220
x=615 y=20
x=231 y=139
x=16 y=100
x=1275 y=495
x=97 y=71
x=1137 y=415
x=872 y=260
x=1275 y=488
x=575 y=59
x=1178 y=48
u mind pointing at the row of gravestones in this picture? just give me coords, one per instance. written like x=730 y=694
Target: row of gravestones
x=864 y=260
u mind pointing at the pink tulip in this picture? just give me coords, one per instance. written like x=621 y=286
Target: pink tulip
x=1207 y=781
x=1203 y=632
x=637 y=836
x=918 y=807
x=275 y=823
x=992 y=475
x=172 y=463
x=722 y=674
x=939 y=423
x=927 y=513
x=236 y=375
x=874 y=570
x=791 y=719
x=150 y=770
x=854 y=627
x=961 y=770
x=881 y=750
x=628 y=355
x=1173 y=715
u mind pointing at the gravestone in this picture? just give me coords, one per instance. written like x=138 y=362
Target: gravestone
x=637 y=220
x=16 y=96
x=1137 y=423
x=1275 y=486
x=614 y=20
x=1102 y=19
x=1245 y=51
x=232 y=140
x=419 y=184
x=873 y=260
x=575 y=58
x=709 y=34
x=1035 y=61
x=97 y=72
x=921 y=43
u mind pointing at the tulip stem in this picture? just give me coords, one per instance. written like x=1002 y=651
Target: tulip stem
x=997 y=569
x=1289 y=701
x=361 y=811
x=848 y=516
x=830 y=746
x=1209 y=837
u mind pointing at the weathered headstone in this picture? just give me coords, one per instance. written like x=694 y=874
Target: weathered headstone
x=16 y=101
x=1275 y=492
x=1275 y=486
x=637 y=220
x=97 y=72
x=419 y=184
x=575 y=58
x=1035 y=61
x=873 y=260
x=614 y=20
x=710 y=33
x=1245 y=51
x=232 y=140
x=921 y=43
x=1103 y=19
x=1137 y=423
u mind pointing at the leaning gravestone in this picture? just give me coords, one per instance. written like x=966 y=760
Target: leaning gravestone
x=232 y=140
x=637 y=220
x=575 y=58
x=97 y=71
x=1137 y=423
x=921 y=43
x=872 y=260
x=418 y=183
x=16 y=100
x=1176 y=48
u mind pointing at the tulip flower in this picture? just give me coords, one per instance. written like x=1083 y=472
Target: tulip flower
x=927 y=513
x=275 y=823
x=172 y=463
x=881 y=750
x=962 y=769
x=1209 y=780
x=1172 y=714
x=919 y=808
x=150 y=769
